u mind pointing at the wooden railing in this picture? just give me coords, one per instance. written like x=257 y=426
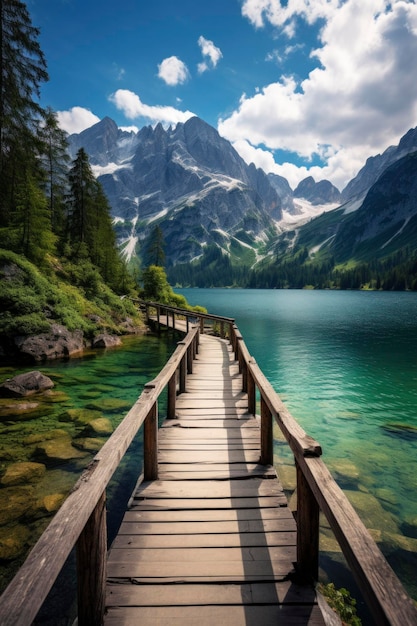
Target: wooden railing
x=81 y=521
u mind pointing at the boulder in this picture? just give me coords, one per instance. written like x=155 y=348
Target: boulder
x=15 y=503
x=26 y=384
x=13 y=542
x=100 y=426
x=22 y=473
x=56 y=451
x=58 y=343
x=106 y=341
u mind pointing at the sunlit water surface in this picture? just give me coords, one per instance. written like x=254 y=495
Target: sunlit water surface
x=345 y=363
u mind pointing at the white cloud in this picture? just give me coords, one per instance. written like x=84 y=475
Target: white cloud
x=212 y=54
x=173 y=71
x=361 y=98
x=133 y=108
x=76 y=119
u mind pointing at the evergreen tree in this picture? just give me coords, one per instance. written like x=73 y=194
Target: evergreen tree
x=56 y=162
x=23 y=69
x=155 y=252
x=80 y=201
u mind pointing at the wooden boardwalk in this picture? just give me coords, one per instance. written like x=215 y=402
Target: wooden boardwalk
x=212 y=541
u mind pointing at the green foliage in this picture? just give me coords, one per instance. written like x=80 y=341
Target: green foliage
x=30 y=301
x=341 y=601
x=157 y=289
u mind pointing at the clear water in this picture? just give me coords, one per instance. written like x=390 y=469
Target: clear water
x=345 y=363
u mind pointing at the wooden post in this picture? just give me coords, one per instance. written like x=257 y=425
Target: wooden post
x=150 y=444
x=251 y=392
x=158 y=318
x=307 y=530
x=173 y=320
x=190 y=358
x=172 y=396
x=267 y=452
x=92 y=567
x=183 y=373
x=202 y=325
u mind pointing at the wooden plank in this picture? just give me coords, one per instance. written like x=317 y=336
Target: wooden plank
x=213 y=527
x=183 y=556
x=188 y=515
x=204 y=540
x=214 y=503
x=203 y=472
x=235 y=456
x=253 y=487
x=200 y=571
x=207 y=616
x=221 y=594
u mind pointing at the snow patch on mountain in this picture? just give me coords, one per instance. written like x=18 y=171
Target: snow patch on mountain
x=305 y=211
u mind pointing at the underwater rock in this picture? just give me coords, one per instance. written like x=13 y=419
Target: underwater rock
x=371 y=512
x=26 y=384
x=55 y=396
x=405 y=431
x=288 y=476
x=57 y=451
x=100 y=426
x=15 y=503
x=13 y=542
x=22 y=473
x=106 y=341
x=49 y=434
x=52 y=502
x=110 y=405
x=79 y=416
x=91 y=444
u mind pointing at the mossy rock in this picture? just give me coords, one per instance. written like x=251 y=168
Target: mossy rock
x=90 y=444
x=55 y=396
x=47 y=435
x=101 y=426
x=109 y=405
x=15 y=503
x=80 y=416
x=26 y=410
x=371 y=512
x=51 y=503
x=56 y=451
x=22 y=473
x=404 y=431
x=13 y=542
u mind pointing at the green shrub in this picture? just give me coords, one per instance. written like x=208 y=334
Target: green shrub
x=341 y=602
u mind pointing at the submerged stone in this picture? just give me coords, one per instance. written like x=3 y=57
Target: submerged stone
x=21 y=473
x=110 y=405
x=26 y=384
x=405 y=431
x=50 y=434
x=13 y=541
x=57 y=451
x=371 y=511
x=91 y=444
x=79 y=416
x=100 y=426
x=15 y=503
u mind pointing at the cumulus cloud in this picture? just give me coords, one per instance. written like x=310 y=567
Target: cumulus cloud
x=211 y=53
x=173 y=71
x=361 y=97
x=76 y=119
x=132 y=106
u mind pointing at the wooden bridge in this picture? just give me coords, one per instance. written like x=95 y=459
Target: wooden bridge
x=208 y=537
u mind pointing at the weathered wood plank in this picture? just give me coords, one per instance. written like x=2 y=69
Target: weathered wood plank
x=214 y=503
x=266 y=526
x=253 y=487
x=232 y=456
x=207 y=616
x=183 y=556
x=188 y=515
x=221 y=594
x=205 y=539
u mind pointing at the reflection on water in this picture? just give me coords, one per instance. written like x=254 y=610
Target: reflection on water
x=345 y=363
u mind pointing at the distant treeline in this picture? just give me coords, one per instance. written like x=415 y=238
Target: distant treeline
x=397 y=272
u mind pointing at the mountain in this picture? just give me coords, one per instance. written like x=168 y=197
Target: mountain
x=383 y=223
x=187 y=180
x=376 y=165
x=322 y=192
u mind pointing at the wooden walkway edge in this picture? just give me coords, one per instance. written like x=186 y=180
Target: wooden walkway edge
x=212 y=541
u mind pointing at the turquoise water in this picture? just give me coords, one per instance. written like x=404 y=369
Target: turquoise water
x=345 y=364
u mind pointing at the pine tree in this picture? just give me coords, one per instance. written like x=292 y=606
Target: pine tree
x=23 y=69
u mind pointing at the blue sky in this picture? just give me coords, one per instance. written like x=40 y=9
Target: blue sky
x=302 y=87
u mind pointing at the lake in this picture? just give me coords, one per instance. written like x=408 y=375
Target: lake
x=345 y=364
